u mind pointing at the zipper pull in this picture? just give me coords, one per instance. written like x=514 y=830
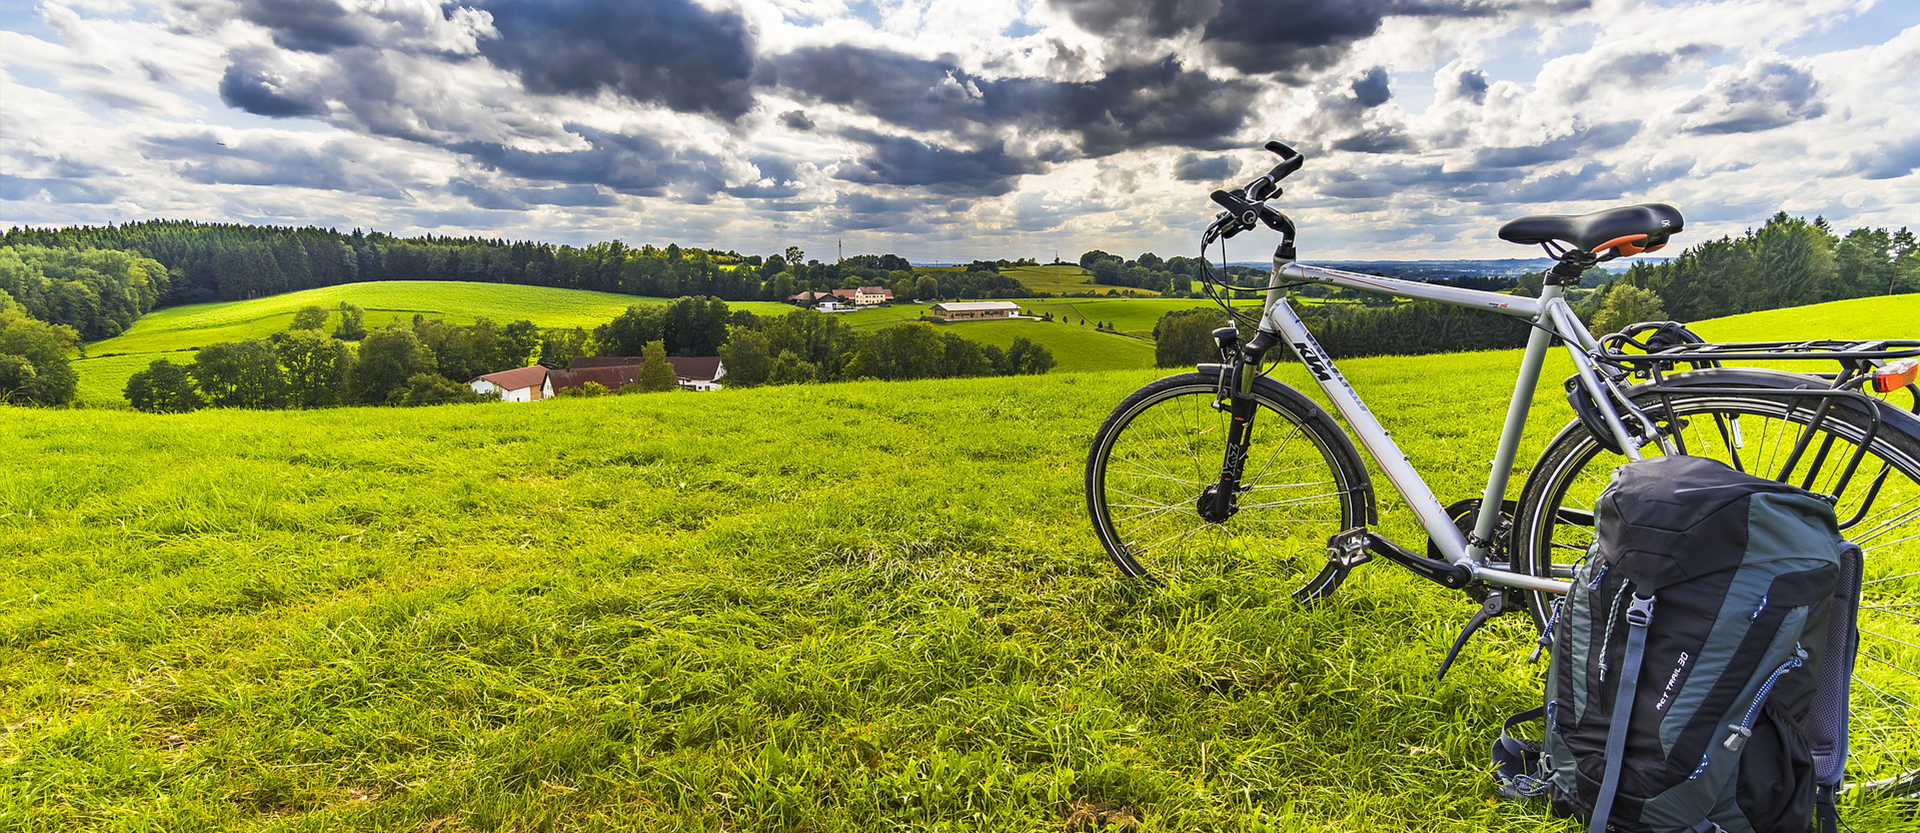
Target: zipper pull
x=1738 y=737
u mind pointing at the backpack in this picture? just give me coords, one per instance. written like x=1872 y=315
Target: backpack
x=1699 y=666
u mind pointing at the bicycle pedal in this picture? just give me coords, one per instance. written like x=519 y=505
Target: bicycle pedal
x=1345 y=551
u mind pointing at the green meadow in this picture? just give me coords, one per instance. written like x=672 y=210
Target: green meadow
x=852 y=607
x=198 y=325
x=1065 y=279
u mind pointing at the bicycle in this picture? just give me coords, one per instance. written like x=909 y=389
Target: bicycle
x=1178 y=489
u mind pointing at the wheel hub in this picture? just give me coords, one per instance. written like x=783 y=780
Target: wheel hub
x=1209 y=505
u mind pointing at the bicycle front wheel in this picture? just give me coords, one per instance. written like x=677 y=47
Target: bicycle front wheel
x=1162 y=449
x=1879 y=504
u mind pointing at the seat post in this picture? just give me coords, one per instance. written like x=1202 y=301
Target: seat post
x=1567 y=272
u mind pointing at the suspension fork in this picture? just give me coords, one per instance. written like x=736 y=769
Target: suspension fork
x=1218 y=502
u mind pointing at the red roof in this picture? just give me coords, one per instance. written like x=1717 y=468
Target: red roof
x=611 y=378
x=525 y=377
x=696 y=368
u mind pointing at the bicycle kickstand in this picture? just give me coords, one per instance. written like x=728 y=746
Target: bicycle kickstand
x=1495 y=605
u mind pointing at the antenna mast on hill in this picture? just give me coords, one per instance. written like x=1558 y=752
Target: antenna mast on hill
x=843 y=250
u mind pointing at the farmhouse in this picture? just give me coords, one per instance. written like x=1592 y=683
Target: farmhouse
x=526 y=384
x=692 y=372
x=975 y=310
x=869 y=296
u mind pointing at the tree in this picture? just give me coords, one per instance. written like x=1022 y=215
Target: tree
x=353 y=326
x=1183 y=338
x=243 y=374
x=518 y=340
x=790 y=369
x=1626 y=305
x=628 y=333
x=315 y=368
x=655 y=372
x=388 y=358
x=163 y=388
x=42 y=347
x=309 y=318
x=433 y=389
x=925 y=288
x=1027 y=358
x=694 y=326
x=746 y=357
x=561 y=346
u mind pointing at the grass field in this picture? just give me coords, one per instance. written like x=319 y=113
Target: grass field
x=1894 y=316
x=197 y=325
x=871 y=606
x=1064 y=279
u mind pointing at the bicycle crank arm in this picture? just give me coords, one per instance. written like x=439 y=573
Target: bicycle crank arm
x=1357 y=546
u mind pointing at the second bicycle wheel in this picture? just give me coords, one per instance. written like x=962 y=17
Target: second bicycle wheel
x=1163 y=447
x=1878 y=509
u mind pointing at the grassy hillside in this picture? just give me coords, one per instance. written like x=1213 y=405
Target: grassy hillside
x=870 y=606
x=1064 y=279
x=197 y=325
x=1893 y=316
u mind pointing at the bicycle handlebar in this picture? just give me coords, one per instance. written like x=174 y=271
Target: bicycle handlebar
x=1245 y=206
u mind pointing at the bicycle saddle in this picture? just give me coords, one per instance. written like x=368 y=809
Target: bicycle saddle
x=1631 y=229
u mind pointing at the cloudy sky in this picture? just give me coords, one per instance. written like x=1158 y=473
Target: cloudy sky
x=947 y=130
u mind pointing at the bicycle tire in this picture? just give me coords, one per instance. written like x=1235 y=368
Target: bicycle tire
x=1760 y=431
x=1165 y=443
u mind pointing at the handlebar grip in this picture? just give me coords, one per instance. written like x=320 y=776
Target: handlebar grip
x=1237 y=205
x=1290 y=161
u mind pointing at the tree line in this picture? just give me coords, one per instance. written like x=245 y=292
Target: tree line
x=225 y=262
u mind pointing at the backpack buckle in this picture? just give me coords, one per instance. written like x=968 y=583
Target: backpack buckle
x=1640 y=611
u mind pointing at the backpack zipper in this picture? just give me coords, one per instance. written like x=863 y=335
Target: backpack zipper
x=1739 y=733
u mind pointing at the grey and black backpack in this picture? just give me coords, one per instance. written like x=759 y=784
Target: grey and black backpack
x=1700 y=665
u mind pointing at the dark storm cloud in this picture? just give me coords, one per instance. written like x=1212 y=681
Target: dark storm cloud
x=670 y=52
x=629 y=164
x=1258 y=36
x=1768 y=95
x=1582 y=141
x=1194 y=168
x=250 y=85
x=1371 y=88
x=898 y=160
x=858 y=210
x=304 y=25
x=1472 y=85
x=796 y=120
x=1148 y=105
x=1383 y=139
x=520 y=199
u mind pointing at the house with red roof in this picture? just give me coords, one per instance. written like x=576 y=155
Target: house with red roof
x=525 y=384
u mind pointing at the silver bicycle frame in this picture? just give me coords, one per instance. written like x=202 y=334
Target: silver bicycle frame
x=1551 y=318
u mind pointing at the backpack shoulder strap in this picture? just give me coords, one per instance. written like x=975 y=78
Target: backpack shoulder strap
x=1639 y=614
x=1517 y=763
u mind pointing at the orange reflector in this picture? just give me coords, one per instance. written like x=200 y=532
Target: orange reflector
x=1895 y=375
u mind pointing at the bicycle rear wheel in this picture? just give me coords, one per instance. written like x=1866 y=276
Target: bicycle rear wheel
x=1163 y=447
x=1878 y=509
